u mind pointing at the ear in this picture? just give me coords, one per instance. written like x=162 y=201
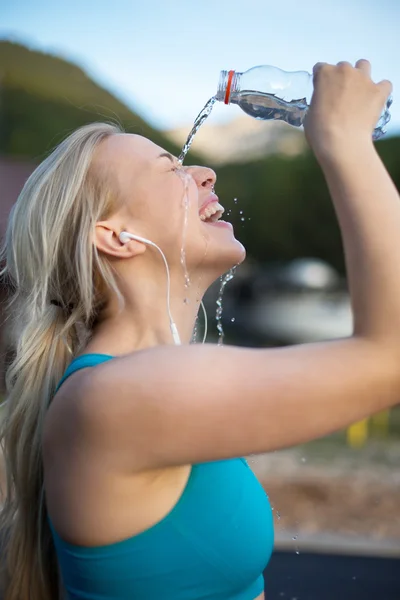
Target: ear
x=106 y=239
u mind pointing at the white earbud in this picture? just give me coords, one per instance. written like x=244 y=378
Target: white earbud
x=125 y=237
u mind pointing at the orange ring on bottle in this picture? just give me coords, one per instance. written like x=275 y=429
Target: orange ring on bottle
x=228 y=87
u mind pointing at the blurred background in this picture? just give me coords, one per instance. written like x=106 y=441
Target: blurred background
x=151 y=67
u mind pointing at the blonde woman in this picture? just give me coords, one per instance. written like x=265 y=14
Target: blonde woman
x=124 y=477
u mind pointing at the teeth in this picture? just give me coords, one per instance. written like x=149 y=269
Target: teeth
x=211 y=210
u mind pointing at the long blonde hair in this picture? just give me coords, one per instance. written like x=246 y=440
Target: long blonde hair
x=57 y=281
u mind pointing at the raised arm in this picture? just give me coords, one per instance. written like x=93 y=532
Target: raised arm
x=180 y=405
x=347 y=107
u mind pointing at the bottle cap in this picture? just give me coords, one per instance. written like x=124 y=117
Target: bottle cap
x=229 y=87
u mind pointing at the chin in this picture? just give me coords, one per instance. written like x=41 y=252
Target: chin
x=242 y=252
x=230 y=257
x=238 y=251
x=216 y=256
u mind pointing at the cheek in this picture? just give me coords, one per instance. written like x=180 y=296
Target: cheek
x=168 y=212
x=175 y=213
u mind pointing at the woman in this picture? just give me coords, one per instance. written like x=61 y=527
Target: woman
x=126 y=479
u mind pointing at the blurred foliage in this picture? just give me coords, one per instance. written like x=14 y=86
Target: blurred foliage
x=43 y=98
x=284 y=200
x=287 y=207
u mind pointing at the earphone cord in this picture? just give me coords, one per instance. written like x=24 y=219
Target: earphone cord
x=172 y=324
x=205 y=321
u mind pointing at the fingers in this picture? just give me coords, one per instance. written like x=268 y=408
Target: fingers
x=318 y=67
x=344 y=63
x=386 y=86
x=364 y=66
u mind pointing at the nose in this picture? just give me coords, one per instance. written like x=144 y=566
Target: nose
x=203 y=176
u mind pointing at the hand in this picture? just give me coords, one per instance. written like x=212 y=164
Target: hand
x=345 y=107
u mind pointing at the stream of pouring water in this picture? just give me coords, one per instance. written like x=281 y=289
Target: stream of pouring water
x=201 y=117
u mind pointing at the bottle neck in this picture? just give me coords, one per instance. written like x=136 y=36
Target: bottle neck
x=229 y=82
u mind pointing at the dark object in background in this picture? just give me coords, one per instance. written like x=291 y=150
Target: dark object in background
x=307 y=576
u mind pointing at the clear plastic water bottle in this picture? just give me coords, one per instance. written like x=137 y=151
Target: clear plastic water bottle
x=268 y=93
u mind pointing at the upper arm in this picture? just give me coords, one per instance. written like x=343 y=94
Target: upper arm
x=181 y=405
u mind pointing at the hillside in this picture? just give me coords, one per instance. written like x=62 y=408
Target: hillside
x=43 y=97
x=242 y=140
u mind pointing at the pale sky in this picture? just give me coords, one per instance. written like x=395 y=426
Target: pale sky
x=163 y=57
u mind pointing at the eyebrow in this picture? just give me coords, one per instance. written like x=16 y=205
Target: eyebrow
x=167 y=155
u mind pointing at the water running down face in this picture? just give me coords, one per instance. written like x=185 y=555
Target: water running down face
x=151 y=188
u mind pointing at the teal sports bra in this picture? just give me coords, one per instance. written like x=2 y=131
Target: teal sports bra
x=213 y=545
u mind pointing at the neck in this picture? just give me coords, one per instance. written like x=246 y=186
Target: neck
x=144 y=321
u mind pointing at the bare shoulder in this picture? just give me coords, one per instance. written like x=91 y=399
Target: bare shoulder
x=77 y=465
x=170 y=405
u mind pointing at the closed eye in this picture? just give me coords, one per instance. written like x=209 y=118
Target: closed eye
x=176 y=165
x=171 y=158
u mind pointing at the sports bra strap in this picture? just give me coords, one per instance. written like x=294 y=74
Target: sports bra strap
x=83 y=361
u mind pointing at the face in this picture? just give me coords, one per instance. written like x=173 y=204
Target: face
x=169 y=204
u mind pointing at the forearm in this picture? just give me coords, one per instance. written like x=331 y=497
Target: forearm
x=367 y=205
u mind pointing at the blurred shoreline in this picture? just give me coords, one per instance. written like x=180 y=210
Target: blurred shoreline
x=334 y=500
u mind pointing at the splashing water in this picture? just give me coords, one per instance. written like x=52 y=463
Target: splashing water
x=224 y=280
x=294 y=538
x=201 y=117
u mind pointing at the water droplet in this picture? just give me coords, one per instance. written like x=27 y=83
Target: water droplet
x=240 y=212
x=186 y=300
x=233 y=320
x=281 y=593
x=235 y=200
x=278 y=514
x=354 y=578
x=303 y=459
x=294 y=537
x=297 y=551
x=242 y=218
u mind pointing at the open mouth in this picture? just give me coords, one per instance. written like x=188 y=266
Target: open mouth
x=212 y=212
